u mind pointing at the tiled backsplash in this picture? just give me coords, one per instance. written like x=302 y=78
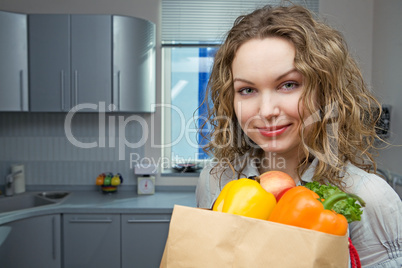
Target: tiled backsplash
x=39 y=142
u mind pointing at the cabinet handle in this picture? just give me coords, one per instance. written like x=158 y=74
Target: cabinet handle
x=22 y=90
x=77 y=220
x=62 y=89
x=116 y=101
x=148 y=221
x=54 y=253
x=76 y=87
x=118 y=90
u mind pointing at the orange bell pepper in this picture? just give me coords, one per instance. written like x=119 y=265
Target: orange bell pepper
x=302 y=207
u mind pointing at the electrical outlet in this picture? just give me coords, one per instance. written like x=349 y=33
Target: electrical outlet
x=383 y=125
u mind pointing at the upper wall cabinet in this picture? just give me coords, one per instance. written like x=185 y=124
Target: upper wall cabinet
x=13 y=62
x=70 y=61
x=133 y=64
x=89 y=60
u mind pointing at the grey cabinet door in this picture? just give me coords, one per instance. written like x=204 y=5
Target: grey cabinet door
x=49 y=62
x=91 y=59
x=91 y=240
x=13 y=62
x=133 y=64
x=70 y=61
x=143 y=239
x=33 y=242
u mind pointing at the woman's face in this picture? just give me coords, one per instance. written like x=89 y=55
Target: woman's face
x=267 y=92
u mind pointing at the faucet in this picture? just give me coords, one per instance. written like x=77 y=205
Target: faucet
x=10 y=183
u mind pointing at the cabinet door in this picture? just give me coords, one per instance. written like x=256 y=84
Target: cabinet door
x=143 y=239
x=91 y=241
x=134 y=64
x=13 y=62
x=33 y=242
x=91 y=62
x=49 y=62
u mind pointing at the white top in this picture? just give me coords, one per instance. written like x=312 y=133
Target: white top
x=377 y=237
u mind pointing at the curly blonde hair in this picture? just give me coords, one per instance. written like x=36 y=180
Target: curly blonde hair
x=334 y=86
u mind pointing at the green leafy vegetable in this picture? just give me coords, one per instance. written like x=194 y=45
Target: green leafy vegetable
x=347 y=207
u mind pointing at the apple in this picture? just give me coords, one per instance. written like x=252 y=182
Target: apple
x=276 y=182
x=281 y=193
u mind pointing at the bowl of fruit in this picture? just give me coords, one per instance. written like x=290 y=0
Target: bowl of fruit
x=109 y=182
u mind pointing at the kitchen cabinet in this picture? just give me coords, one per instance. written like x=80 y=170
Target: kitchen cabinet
x=32 y=242
x=91 y=240
x=133 y=64
x=70 y=61
x=91 y=59
x=143 y=239
x=13 y=62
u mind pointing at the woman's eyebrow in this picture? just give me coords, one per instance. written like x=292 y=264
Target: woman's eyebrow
x=276 y=79
x=243 y=80
x=287 y=73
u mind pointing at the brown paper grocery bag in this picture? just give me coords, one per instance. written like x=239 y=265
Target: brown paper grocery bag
x=205 y=238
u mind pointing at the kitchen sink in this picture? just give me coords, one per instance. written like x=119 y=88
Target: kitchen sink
x=54 y=195
x=30 y=200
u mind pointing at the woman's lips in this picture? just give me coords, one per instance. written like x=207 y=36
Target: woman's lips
x=273 y=131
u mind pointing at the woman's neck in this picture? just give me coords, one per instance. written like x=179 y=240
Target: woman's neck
x=273 y=161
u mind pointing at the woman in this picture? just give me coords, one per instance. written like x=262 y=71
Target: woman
x=286 y=95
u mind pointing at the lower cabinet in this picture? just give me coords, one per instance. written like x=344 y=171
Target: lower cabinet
x=91 y=240
x=85 y=241
x=143 y=239
x=32 y=242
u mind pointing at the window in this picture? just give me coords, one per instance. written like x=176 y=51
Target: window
x=192 y=31
x=188 y=76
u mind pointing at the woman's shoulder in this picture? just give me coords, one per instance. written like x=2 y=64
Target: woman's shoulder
x=380 y=197
x=214 y=172
x=215 y=175
x=359 y=179
x=209 y=184
x=211 y=169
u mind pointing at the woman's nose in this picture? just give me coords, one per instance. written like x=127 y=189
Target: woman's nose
x=269 y=106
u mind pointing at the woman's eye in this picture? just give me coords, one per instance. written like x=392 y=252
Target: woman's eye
x=289 y=86
x=246 y=91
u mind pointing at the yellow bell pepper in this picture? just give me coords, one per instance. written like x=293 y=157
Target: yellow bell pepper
x=245 y=197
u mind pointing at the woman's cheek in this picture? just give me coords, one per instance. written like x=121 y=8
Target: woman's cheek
x=242 y=113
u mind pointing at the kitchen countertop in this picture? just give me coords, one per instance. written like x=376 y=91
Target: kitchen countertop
x=116 y=203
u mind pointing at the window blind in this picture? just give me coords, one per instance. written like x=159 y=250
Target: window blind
x=207 y=21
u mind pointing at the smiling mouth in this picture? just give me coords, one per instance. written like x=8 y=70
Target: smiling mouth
x=273 y=131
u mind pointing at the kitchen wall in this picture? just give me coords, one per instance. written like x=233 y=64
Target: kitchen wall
x=355 y=20
x=387 y=73
x=372 y=30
